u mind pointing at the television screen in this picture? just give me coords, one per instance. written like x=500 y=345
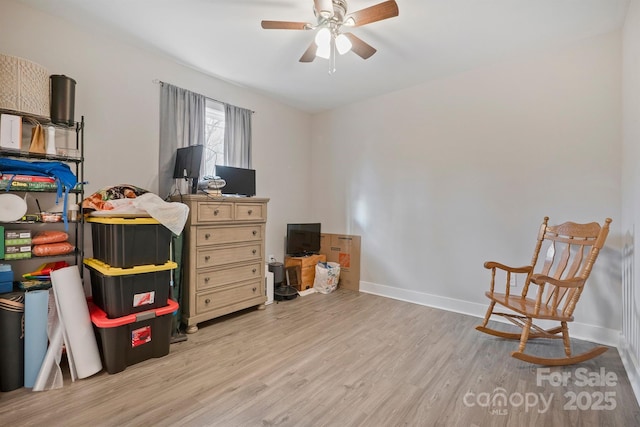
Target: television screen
x=188 y=160
x=303 y=239
x=239 y=181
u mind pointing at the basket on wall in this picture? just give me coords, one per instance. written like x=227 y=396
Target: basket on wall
x=24 y=86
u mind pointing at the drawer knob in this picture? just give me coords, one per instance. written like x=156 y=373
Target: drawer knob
x=216 y=212
x=206 y=279
x=254 y=251
x=255 y=232
x=206 y=236
x=253 y=271
x=207 y=258
x=250 y=211
x=207 y=301
x=254 y=289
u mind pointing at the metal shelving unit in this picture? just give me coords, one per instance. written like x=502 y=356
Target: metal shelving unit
x=72 y=156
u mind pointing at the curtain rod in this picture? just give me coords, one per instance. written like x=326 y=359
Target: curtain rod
x=160 y=82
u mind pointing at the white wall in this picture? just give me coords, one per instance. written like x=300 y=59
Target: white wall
x=630 y=342
x=120 y=103
x=443 y=176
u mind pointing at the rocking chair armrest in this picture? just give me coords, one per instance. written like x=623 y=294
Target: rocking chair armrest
x=541 y=279
x=492 y=264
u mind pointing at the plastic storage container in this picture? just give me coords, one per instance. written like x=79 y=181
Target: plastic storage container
x=6 y=278
x=129 y=242
x=132 y=339
x=123 y=291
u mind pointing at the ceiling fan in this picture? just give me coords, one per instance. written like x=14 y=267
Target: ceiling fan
x=332 y=20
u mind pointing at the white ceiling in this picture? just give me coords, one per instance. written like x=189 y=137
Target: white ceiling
x=429 y=39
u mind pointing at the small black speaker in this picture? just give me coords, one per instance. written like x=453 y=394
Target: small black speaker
x=62 y=99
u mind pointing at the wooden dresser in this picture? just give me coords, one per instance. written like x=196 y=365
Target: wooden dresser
x=224 y=256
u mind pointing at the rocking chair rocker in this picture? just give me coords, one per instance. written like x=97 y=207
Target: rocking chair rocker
x=562 y=277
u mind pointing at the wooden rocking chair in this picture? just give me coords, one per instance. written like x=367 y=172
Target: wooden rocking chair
x=572 y=251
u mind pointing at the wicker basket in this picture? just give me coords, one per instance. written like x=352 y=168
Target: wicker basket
x=24 y=86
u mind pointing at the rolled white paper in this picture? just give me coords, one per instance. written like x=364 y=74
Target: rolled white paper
x=73 y=313
x=50 y=375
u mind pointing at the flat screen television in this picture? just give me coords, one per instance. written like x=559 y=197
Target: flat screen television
x=303 y=239
x=188 y=161
x=239 y=181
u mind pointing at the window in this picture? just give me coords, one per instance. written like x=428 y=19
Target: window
x=213 y=136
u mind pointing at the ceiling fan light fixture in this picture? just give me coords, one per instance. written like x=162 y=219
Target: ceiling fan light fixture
x=323 y=37
x=343 y=44
x=323 y=41
x=324 y=8
x=324 y=51
x=332 y=17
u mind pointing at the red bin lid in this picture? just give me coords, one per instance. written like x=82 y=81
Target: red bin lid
x=100 y=319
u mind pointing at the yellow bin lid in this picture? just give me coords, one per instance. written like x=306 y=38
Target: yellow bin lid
x=120 y=220
x=107 y=270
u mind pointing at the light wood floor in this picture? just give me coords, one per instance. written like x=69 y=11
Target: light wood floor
x=343 y=359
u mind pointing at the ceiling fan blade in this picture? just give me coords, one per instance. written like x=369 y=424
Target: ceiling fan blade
x=310 y=54
x=285 y=25
x=378 y=12
x=324 y=8
x=359 y=47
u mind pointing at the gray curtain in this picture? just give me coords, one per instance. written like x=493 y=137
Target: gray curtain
x=237 y=136
x=182 y=123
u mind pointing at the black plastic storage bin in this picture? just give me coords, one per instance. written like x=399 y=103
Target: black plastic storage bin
x=132 y=339
x=128 y=242
x=123 y=291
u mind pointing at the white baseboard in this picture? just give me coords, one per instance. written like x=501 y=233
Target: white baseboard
x=583 y=331
x=631 y=366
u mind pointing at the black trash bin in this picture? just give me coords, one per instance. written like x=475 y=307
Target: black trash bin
x=63 y=96
x=11 y=341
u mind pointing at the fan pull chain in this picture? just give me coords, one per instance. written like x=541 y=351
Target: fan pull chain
x=332 y=57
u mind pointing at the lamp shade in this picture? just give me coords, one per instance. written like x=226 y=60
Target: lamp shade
x=323 y=41
x=343 y=44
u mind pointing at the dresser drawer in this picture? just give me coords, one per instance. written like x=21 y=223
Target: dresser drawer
x=251 y=211
x=221 y=235
x=224 y=276
x=213 y=300
x=212 y=212
x=213 y=256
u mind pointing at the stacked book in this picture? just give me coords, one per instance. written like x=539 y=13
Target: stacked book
x=27 y=183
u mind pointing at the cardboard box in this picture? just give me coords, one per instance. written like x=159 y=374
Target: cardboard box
x=345 y=250
x=14 y=249
x=16 y=255
x=17 y=238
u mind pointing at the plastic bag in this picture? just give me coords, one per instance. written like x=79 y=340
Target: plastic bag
x=327 y=277
x=50 y=249
x=49 y=236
